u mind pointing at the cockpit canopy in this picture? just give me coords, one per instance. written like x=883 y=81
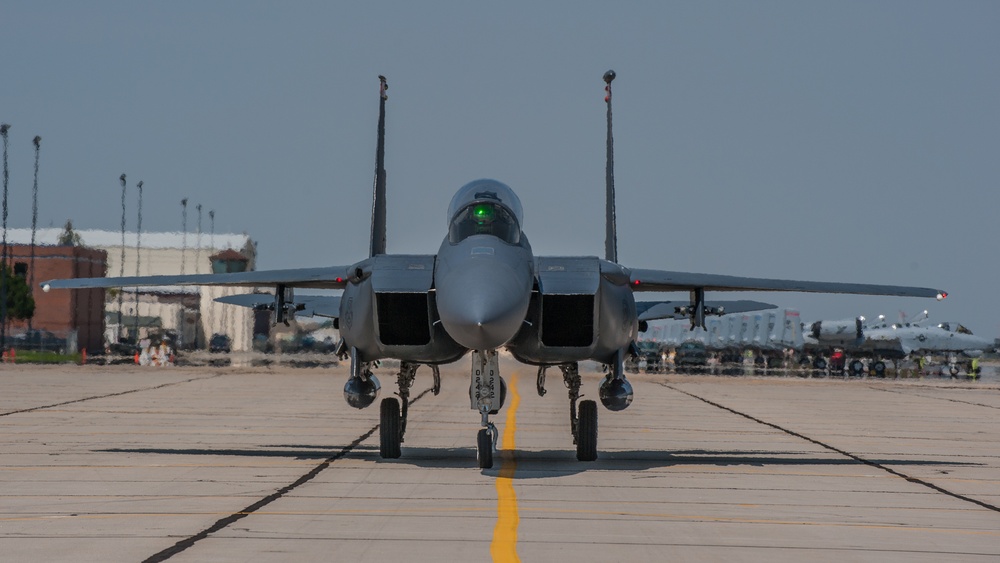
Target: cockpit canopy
x=954 y=327
x=485 y=207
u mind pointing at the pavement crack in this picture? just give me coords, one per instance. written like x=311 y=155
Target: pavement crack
x=911 y=479
x=949 y=399
x=225 y=522
x=118 y=394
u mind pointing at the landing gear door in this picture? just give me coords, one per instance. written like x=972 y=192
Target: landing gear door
x=485 y=390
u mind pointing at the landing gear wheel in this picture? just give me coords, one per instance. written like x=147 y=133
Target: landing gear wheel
x=586 y=429
x=484 y=451
x=388 y=430
x=879 y=368
x=856 y=368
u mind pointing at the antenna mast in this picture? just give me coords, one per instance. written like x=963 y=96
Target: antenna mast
x=378 y=199
x=611 y=234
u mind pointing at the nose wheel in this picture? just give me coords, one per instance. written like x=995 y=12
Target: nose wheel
x=486 y=441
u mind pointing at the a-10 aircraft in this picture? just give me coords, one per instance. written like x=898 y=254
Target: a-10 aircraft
x=483 y=291
x=881 y=340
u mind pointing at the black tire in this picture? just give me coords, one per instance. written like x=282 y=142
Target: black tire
x=388 y=430
x=820 y=363
x=856 y=368
x=586 y=428
x=484 y=449
x=879 y=368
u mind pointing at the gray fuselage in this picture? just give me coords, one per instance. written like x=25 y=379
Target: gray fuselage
x=485 y=290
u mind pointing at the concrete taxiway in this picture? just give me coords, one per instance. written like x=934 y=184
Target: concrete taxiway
x=227 y=464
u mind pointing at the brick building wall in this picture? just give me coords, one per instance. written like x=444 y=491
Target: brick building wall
x=63 y=311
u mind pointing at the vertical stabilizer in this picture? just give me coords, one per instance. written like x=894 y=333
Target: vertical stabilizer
x=611 y=235
x=378 y=198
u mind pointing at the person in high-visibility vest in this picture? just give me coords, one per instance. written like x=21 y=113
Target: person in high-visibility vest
x=974 y=368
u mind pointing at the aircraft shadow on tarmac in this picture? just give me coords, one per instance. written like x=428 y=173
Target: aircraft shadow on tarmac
x=293 y=452
x=547 y=463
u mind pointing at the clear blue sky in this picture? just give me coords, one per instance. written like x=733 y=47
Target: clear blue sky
x=848 y=141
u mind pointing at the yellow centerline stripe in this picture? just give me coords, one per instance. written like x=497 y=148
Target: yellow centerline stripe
x=504 y=545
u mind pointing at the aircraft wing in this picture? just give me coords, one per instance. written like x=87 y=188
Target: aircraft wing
x=662 y=280
x=311 y=305
x=331 y=277
x=656 y=310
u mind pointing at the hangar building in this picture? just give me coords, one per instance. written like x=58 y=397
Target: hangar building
x=190 y=312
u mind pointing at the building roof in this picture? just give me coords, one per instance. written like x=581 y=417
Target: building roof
x=113 y=239
x=229 y=255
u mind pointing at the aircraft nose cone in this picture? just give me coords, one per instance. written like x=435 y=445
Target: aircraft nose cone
x=485 y=325
x=482 y=308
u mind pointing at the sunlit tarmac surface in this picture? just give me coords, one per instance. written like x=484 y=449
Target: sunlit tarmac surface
x=121 y=463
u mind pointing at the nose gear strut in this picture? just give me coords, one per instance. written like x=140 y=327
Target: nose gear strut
x=486 y=394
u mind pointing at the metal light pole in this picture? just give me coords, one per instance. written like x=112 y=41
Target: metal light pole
x=121 y=263
x=211 y=236
x=197 y=259
x=3 y=261
x=197 y=265
x=184 y=238
x=184 y=231
x=211 y=249
x=138 y=246
x=34 y=221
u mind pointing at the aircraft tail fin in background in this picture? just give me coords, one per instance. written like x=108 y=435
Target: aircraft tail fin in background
x=378 y=197
x=611 y=235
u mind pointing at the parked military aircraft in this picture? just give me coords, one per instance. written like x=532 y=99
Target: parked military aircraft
x=485 y=290
x=881 y=340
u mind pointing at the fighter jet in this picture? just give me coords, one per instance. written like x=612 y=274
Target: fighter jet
x=484 y=291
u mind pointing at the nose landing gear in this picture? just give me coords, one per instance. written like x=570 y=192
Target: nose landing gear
x=487 y=394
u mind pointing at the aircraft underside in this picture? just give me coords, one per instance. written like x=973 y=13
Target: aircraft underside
x=487 y=395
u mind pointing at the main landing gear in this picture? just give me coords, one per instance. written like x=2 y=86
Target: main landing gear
x=392 y=420
x=582 y=421
x=487 y=394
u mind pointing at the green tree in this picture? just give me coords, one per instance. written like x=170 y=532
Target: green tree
x=20 y=303
x=69 y=237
